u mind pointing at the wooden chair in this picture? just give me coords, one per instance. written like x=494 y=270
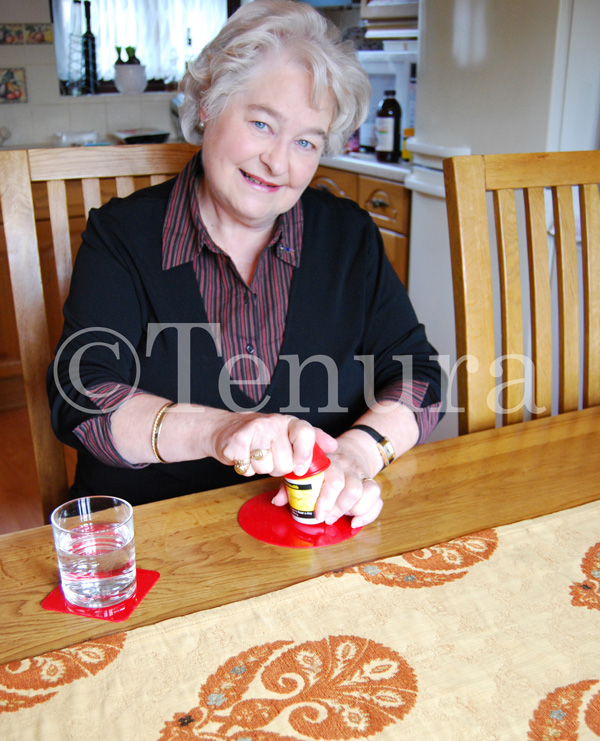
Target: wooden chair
x=518 y=184
x=46 y=195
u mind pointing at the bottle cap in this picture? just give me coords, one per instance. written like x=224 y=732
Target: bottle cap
x=390 y=92
x=318 y=464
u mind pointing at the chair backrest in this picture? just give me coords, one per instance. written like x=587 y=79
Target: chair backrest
x=552 y=327
x=46 y=195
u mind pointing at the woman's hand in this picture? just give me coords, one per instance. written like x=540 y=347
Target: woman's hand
x=190 y=432
x=273 y=444
x=347 y=488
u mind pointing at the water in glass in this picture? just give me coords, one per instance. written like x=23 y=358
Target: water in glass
x=96 y=559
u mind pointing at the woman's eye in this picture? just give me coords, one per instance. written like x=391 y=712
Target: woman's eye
x=306 y=144
x=261 y=125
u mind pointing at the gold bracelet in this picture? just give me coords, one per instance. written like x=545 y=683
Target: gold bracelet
x=156 y=425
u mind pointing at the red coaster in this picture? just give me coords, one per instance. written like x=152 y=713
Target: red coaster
x=145 y=580
x=276 y=526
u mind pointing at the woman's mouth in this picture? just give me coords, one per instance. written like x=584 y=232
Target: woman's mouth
x=257 y=180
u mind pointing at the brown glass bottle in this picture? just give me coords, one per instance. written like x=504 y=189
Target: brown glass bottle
x=88 y=41
x=388 y=128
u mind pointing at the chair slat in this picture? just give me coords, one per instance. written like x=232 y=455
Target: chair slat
x=507 y=240
x=568 y=298
x=471 y=275
x=590 y=233
x=92 y=197
x=61 y=237
x=30 y=312
x=540 y=169
x=103 y=162
x=158 y=179
x=540 y=303
x=125 y=186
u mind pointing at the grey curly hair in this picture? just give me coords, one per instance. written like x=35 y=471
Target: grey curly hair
x=226 y=64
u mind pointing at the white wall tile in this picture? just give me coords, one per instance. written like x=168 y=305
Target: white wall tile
x=87 y=114
x=40 y=54
x=123 y=112
x=12 y=55
x=156 y=112
x=25 y=11
x=48 y=119
x=17 y=117
x=42 y=84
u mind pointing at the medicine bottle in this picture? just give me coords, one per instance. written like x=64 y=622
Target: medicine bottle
x=303 y=491
x=388 y=128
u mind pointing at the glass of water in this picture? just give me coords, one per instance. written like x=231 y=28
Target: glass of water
x=93 y=537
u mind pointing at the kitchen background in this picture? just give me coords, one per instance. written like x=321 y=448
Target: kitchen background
x=35 y=120
x=46 y=111
x=493 y=76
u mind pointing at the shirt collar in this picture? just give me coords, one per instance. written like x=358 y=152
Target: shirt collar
x=184 y=233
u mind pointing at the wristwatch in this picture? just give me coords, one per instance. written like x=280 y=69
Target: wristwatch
x=385 y=447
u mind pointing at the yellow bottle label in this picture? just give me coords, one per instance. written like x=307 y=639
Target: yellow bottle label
x=303 y=495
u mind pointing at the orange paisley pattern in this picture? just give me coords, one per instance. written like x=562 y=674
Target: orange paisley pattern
x=587 y=593
x=341 y=687
x=430 y=567
x=557 y=717
x=29 y=682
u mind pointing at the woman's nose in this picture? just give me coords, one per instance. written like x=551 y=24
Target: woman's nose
x=275 y=157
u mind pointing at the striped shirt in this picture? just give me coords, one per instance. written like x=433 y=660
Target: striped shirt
x=251 y=317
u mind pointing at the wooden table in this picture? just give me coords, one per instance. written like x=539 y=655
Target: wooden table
x=435 y=492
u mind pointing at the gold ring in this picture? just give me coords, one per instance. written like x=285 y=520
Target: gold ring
x=259 y=453
x=369 y=479
x=241 y=466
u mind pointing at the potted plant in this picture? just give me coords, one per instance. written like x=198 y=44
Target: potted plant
x=130 y=76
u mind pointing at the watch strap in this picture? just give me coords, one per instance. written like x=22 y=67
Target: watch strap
x=385 y=447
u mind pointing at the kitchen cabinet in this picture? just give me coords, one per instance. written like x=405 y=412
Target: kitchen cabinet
x=387 y=201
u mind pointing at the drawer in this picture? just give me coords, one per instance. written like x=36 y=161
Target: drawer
x=386 y=201
x=338 y=182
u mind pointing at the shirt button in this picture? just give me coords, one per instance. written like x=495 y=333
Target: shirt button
x=250 y=349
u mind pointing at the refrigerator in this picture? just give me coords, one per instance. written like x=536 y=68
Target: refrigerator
x=494 y=76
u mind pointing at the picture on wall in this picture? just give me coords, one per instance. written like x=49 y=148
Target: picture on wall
x=12 y=33
x=13 y=88
x=26 y=33
x=38 y=33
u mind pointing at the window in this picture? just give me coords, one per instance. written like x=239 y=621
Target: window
x=165 y=33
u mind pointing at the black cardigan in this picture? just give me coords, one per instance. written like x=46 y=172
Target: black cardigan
x=345 y=301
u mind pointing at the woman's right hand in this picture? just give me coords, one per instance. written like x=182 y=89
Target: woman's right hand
x=191 y=432
x=286 y=441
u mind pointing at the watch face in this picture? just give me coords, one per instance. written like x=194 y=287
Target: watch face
x=388 y=450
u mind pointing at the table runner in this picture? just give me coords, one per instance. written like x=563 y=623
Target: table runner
x=490 y=636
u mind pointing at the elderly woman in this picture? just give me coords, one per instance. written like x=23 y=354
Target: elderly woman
x=223 y=322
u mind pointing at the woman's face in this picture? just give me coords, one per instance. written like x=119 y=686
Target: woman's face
x=262 y=151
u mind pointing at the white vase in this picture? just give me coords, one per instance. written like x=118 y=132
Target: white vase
x=130 y=79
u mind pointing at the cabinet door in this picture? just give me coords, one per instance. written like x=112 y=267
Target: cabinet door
x=386 y=201
x=396 y=248
x=338 y=182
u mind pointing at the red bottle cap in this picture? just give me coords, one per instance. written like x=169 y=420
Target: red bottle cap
x=319 y=463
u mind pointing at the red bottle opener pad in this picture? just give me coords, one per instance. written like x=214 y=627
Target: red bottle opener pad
x=276 y=526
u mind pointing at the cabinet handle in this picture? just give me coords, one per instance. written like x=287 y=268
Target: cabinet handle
x=378 y=203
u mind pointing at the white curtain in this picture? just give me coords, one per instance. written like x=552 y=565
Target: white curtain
x=165 y=33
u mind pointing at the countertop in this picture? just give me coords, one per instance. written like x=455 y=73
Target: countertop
x=367 y=164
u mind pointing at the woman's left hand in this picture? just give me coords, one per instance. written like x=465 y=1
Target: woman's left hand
x=347 y=488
